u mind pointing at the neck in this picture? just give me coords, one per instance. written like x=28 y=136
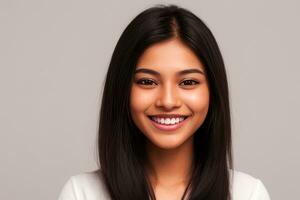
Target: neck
x=170 y=167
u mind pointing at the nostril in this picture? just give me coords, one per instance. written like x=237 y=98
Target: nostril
x=168 y=103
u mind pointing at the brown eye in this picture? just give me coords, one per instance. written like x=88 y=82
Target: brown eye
x=188 y=82
x=146 y=82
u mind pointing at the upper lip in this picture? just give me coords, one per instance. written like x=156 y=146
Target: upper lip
x=168 y=115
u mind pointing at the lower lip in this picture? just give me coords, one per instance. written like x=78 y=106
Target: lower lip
x=171 y=127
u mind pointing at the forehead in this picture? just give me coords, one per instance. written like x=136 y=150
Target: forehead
x=170 y=55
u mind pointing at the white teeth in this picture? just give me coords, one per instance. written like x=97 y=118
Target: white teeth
x=173 y=121
x=168 y=121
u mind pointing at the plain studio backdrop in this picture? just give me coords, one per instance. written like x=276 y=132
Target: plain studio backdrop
x=53 y=58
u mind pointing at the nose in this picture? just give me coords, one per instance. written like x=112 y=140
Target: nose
x=168 y=98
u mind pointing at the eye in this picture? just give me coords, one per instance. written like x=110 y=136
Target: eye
x=188 y=82
x=146 y=82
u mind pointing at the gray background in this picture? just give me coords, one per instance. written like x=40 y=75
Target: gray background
x=53 y=57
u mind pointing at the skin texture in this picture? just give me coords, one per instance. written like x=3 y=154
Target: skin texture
x=169 y=153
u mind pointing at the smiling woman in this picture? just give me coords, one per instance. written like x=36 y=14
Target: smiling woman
x=165 y=129
x=169 y=95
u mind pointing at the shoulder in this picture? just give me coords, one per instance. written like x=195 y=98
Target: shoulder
x=245 y=186
x=84 y=186
x=90 y=186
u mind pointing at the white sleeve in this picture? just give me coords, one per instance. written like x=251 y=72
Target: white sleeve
x=260 y=192
x=68 y=191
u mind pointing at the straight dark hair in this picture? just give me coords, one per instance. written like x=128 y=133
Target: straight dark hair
x=121 y=144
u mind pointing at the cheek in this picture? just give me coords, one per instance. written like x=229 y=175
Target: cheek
x=140 y=100
x=198 y=101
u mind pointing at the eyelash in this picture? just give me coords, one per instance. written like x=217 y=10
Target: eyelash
x=143 y=82
x=193 y=82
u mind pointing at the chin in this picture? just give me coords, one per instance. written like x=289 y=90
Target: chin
x=168 y=142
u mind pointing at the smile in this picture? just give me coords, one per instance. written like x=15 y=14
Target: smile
x=168 y=123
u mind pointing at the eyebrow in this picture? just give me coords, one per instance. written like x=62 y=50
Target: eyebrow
x=180 y=73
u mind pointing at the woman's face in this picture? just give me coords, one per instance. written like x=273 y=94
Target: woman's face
x=169 y=96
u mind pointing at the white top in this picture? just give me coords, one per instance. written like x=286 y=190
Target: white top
x=89 y=186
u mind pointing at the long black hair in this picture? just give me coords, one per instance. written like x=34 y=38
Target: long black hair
x=121 y=143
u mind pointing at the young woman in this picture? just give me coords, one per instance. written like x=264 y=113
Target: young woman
x=165 y=130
